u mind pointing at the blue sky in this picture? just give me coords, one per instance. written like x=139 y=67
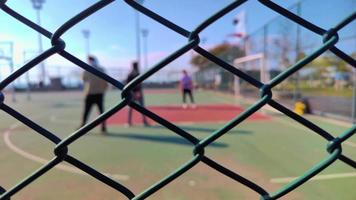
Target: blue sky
x=113 y=31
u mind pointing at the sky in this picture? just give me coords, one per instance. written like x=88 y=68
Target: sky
x=112 y=29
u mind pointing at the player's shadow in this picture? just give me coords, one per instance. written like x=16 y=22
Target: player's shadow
x=160 y=138
x=203 y=129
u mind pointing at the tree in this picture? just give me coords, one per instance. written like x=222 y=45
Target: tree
x=323 y=62
x=225 y=51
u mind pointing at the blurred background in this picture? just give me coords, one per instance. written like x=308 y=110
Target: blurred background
x=252 y=38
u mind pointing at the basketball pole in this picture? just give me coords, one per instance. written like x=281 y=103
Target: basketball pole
x=11 y=63
x=28 y=89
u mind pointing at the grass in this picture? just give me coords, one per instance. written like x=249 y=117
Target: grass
x=306 y=89
x=344 y=92
x=257 y=150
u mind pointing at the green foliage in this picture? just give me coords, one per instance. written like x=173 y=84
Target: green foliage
x=225 y=51
x=322 y=63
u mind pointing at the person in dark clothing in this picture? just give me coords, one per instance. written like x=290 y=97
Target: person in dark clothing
x=94 y=89
x=137 y=94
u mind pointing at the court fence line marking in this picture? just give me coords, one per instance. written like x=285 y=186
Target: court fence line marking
x=316 y=178
x=333 y=145
x=34 y=158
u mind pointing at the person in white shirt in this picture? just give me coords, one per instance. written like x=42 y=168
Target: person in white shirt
x=94 y=90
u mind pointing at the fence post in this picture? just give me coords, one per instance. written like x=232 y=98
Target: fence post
x=297 y=51
x=353 y=114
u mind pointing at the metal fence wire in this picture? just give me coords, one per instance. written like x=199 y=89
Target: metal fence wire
x=61 y=153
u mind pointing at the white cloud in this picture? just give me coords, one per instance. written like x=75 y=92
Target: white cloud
x=116 y=47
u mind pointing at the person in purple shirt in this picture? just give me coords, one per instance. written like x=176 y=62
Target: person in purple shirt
x=186 y=85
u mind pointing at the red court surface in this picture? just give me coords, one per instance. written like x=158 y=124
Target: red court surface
x=202 y=113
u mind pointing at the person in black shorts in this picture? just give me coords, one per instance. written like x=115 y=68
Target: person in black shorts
x=137 y=94
x=94 y=89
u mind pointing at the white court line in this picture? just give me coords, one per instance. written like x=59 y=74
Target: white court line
x=317 y=177
x=63 y=121
x=40 y=160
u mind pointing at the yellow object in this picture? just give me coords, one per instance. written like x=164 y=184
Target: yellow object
x=299 y=108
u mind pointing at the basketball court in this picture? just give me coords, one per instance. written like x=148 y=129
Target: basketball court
x=247 y=64
x=208 y=113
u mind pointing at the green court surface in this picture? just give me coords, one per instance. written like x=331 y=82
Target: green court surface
x=269 y=152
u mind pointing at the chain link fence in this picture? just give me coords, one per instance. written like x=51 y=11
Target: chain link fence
x=324 y=81
x=280 y=43
x=61 y=153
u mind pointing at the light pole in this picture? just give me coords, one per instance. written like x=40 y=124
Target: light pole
x=37 y=5
x=138 y=43
x=353 y=112
x=144 y=36
x=86 y=34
